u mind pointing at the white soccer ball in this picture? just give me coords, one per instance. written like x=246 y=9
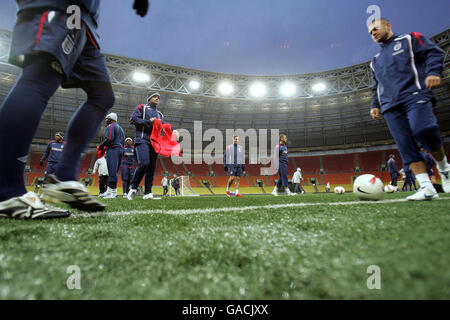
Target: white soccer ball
x=339 y=190
x=389 y=188
x=368 y=187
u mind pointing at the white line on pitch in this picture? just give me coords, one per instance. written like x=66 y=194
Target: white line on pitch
x=238 y=209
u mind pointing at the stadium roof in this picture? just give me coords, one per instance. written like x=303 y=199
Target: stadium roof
x=334 y=117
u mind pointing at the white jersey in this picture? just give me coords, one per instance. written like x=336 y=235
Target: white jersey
x=101 y=166
x=297 y=177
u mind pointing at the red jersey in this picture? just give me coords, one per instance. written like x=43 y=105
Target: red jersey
x=164 y=144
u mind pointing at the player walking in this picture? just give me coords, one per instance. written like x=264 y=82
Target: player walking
x=143 y=117
x=234 y=164
x=53 y=152
x=127 y=165
x=393 y=170
x=52 y=54
x=282 y=152
x=114 y=141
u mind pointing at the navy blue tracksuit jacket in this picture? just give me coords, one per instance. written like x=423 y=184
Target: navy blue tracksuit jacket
x=114 y=140
x=399 y=70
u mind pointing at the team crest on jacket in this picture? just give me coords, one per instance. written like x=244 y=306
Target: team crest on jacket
x=68 y=45
x=398 y=46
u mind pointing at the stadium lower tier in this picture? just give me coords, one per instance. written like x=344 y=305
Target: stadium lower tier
x=217 y=185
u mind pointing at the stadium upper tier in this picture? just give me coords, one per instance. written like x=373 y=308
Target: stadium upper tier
x=317 y=110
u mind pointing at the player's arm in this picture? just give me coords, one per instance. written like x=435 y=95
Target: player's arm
x=427 y=51
x=109 y=136
x=96 y=164
x=375 y=106
x=45 y=155
x=137 y=115
x=225 y=165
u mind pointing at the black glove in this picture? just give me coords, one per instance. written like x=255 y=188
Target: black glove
x=141 y=7
x=41 y=163
x=225 y=168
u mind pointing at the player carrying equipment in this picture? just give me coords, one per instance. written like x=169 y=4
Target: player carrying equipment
x=143 y=117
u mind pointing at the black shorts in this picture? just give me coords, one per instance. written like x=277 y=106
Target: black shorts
x=234 y=171
x=76 y=54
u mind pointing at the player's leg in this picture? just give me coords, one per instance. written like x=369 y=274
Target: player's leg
x=90 y=74
x=150 y=174
x=237 y=181
x=50 y=169
x=20 y=114
x=113 y=161
x=143 y=159
x=395 y=181
x=37 y=83
x=400 y=129
x=125 y=176
x=102 y=184
x=426 y=131
x=278 y=185
x=230 y=179
x=285 y=181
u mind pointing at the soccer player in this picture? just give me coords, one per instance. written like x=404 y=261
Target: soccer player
x=297 y=179
x=393 y=170
x=404 y=72
x=165 y=185
x=143 y=117
x=282 y=153
x=127 y=165
x=101 y=167
x=176 y=184
x=234 y=164
x=409 y=180
x=53 y=152
x=53 y=52
x=114 y=141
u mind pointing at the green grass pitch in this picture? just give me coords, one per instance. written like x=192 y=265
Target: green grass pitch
x=313 y=246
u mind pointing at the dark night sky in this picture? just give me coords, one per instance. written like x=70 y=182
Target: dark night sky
x=259 y=37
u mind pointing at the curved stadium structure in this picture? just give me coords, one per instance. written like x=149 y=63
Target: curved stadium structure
x=325 y=115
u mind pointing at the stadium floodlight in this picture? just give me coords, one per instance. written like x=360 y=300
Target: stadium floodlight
x=194 y=85
x=140 y=76
x=225 y=88
x=258 y=90
x=288 y=89
x=319 y=87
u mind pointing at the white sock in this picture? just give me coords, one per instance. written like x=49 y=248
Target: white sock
x=228 y=189
x=275 y=189
x=443 y=164
x=424 y=180
x=237 y=191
